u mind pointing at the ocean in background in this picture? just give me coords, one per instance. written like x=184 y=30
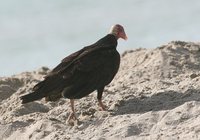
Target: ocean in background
x=35 y=33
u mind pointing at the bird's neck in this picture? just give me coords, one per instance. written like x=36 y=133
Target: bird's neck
x=115 y=35
x=114 y=32
x=109 y=40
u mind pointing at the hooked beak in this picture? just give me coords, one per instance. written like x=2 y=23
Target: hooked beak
x=123 y=36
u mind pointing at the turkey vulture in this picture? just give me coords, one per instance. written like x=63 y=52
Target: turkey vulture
x=82 y=72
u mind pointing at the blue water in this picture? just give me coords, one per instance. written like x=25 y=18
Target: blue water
x=35 y=33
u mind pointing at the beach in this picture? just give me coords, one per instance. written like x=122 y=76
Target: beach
x=154 y=96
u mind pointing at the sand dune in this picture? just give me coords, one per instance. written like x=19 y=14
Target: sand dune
x=155 y=95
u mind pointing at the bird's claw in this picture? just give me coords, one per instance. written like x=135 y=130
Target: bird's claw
x=72 y=119
x=102 y=106
x=72 y=116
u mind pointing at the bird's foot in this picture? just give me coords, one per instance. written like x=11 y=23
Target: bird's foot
x=72 y=119
x=72 y=116
x=102 y=106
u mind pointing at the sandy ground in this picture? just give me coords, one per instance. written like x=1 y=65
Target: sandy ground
x=155 y=96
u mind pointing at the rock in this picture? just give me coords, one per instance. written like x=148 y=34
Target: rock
x=193 y=75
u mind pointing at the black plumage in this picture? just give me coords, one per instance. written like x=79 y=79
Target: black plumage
x=79 y=74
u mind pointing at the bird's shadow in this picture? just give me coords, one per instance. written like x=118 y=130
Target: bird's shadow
x=161 y=101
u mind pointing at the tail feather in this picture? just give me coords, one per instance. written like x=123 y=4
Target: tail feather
x=31 y=97
x=38 y=85
x=49 y=87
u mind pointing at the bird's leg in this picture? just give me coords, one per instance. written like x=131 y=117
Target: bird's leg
x=99 y=97
x=72 y=115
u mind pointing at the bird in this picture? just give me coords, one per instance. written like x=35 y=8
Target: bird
x=84 y=71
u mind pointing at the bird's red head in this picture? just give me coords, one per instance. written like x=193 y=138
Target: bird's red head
x=118 y=31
